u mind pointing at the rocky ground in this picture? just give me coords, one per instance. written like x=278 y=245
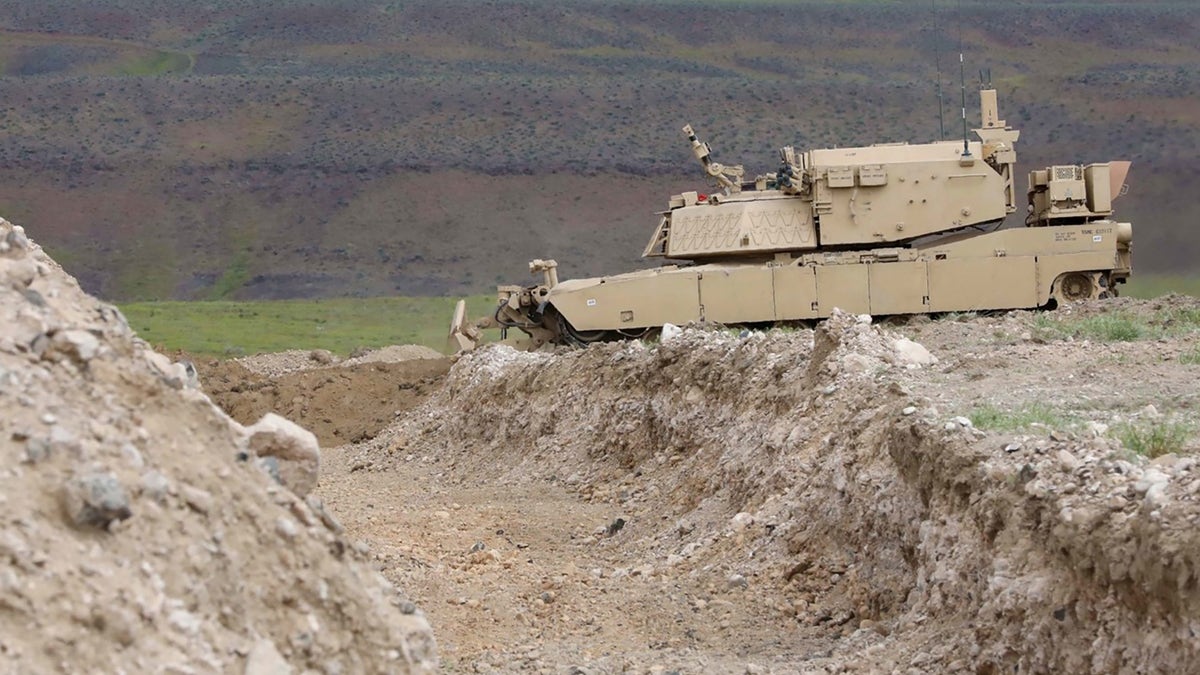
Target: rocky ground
x=798 y=501
x=1015 y=492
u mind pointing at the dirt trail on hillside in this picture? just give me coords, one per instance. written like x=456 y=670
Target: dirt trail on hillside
x=795 y=502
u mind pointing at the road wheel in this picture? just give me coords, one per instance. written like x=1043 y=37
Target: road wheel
x=1077 y=286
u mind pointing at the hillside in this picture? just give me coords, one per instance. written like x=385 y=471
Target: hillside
x=211 y=150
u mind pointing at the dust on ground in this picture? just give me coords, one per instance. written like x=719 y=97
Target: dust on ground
x=795 y=501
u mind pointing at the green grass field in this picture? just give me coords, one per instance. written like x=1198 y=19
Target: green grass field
x=1153 y=286
x=229 y=329
x=224 y=328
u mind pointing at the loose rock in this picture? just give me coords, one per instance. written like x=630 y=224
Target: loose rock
x=294 y=447
x=95 y=500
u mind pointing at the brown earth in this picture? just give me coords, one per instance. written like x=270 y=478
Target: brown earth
x=797 y=502
x=340 y=404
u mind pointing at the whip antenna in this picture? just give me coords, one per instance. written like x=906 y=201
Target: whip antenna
x=962 y=77
x=937 y=61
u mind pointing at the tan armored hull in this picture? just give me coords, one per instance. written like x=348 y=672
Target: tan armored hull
x=1007 y=269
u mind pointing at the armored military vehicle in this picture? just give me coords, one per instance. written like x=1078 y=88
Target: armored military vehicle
x=886 y=229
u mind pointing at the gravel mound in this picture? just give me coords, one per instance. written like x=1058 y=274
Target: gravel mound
x=279 y=364
x=136 y=538
x=395 y=354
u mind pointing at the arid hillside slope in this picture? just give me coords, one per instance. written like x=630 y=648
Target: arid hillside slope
x=207 y=150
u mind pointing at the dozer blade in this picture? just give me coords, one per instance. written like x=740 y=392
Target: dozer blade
x=460 y=338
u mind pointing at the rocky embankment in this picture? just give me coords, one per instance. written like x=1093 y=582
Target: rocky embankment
x=814 y=472
x=143 y=530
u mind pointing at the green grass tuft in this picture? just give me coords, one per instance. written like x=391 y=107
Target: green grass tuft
x=1183 y=319
x=1191 y=358
x=1118 y=326
x=990 y=417
x=1153 y=439
x=1047 y=328
x=1112 y=328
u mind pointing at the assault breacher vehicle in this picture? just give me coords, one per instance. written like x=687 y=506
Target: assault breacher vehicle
x=887 y=229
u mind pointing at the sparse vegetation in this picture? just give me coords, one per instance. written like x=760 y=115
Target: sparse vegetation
x=1117 y=326
x=994 y=418
x=1047 y=328
x=1191 y=358
x=1153 y=438
x=234 y=277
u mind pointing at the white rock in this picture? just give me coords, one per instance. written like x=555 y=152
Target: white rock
x=741 y=521
x=286 y=527
x=964 y=422
x=857 y=363
x=1156 y=496
x=1150 y=478
x=132 y=455
x=913 y=353
x=294 y=447
x=78 y=344
x=184 y=621
x=670 y=332
x=1069 y=461
x=264 y=659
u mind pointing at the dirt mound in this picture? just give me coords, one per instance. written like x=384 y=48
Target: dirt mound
x=346 y=403
x=798 y=478
x=395 y=354
x=277 y=364
x=133 y=538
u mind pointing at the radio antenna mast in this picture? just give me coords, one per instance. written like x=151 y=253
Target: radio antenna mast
x=962 y=76
x=937 y=60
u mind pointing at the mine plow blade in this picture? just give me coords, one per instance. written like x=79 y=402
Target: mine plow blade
x=463 y=337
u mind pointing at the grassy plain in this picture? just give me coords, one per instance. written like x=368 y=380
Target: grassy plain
x=1152 y=286
x=230 y=328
